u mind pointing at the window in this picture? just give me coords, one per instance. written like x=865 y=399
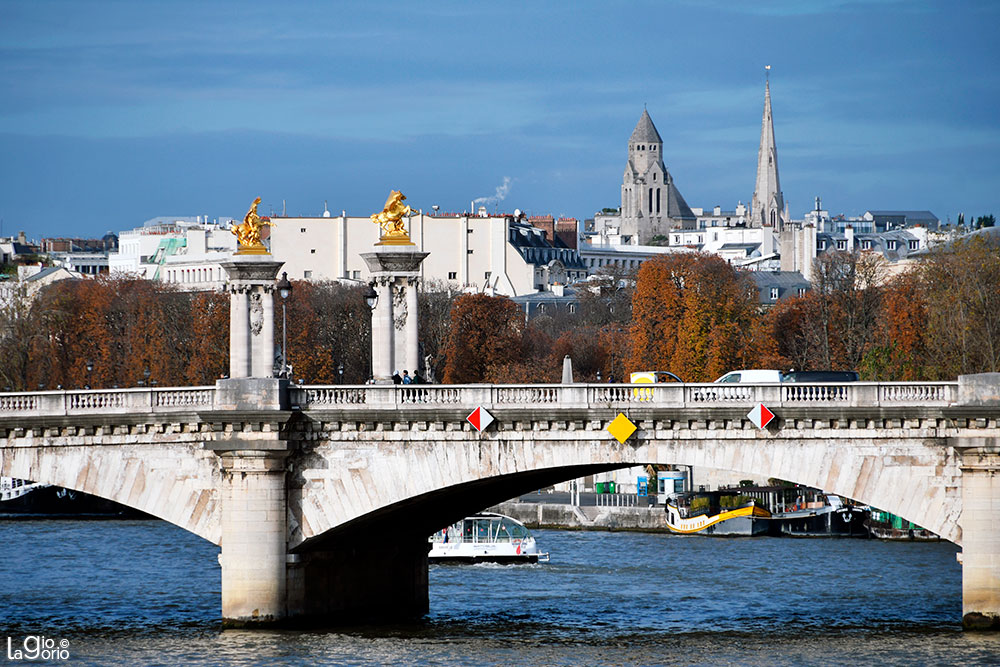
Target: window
x=307 y=274
x=890 y=245
x=802 y=291
x=452 y=275
x=657 y=197
x=842 y=244
x=487 y=275
x=302 y=230
x=866 y=244
x=822 y=245
x=654 y=176
x=468 y=231
x=774 y=294
x=312 y=251
x=469 y=251
x=356 y=275
x=572 y=308
x=914 y=245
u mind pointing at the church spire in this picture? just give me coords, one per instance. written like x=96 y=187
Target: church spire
x=767 y=207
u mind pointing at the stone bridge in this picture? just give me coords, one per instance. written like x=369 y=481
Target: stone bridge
x=322 y=498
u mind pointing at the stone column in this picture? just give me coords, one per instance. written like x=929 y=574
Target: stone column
x=254 y=535
x=251 y=314
x=394 y=268
x=239 y=332
x=263 y=344
x=412 y=327
x=382 y=325
x=981 y=537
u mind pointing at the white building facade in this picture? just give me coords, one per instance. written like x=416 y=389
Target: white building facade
x=494 y=254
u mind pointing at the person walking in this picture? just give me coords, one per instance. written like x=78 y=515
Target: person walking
x=406 y=377
x=396 y=379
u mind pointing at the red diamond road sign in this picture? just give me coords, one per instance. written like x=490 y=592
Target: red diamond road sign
x=760 y=416
x=480 y=419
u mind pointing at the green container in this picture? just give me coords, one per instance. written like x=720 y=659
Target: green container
x=600 y=487
x=611 y=487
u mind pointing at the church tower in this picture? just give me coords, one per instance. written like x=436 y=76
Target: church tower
x=651 y=204
x=767 y=207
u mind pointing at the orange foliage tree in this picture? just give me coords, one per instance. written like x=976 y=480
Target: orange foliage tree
x=485 y=340
x=693 y=315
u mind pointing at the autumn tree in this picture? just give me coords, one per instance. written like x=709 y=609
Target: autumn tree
x=329 y=324
x=484 y=339
x=693 y=314
x=962 y=284
x=901 y=351
x=209 y=353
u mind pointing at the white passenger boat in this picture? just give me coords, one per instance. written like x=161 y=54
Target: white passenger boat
x=485 y=538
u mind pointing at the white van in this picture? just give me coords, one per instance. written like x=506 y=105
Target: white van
x=751 y=376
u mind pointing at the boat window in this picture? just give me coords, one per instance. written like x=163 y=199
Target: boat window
x=468 y=530
x=517 y=531
x=482 y=530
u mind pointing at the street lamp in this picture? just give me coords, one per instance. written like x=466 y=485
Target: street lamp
x=371 y=298
x=90 y=368
x=284 y=290
x=340 y=372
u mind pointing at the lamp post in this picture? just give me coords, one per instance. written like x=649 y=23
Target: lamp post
x=90 y=368
x=340 y=372
x=284 y=290
x=371 y=298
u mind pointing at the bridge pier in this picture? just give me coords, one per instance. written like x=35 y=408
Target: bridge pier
x=254 y=534
x=981 y=539
x=372 y=579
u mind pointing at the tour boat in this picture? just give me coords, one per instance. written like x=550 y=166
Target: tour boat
x=750 y=519
x=485 y=538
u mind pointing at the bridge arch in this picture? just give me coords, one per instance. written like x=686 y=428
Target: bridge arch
x=444 y=479
x=170 y=483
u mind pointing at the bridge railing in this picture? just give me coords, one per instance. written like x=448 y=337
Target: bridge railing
x=394 y=397
x=854 y=394
x=107 y=401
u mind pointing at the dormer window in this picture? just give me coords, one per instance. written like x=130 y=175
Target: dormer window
x=914 y=245
x=866 y=245
x=842 y=245
x=890 y=245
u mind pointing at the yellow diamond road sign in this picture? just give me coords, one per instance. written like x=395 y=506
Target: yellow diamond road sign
x=621 y=428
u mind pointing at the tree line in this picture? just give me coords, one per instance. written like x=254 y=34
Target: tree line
x=691 y=314
x=698 y=317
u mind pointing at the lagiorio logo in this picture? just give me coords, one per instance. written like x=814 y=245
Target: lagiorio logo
x=38 y=647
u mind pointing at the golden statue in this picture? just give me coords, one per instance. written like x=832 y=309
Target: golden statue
x=248 y=233
x=391 y=220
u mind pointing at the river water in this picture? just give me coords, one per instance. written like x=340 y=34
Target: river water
x=146 y=592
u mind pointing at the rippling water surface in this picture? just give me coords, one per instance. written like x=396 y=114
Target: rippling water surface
x=146 y=592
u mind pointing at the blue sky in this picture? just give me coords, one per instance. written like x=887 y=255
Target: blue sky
x=116 y=112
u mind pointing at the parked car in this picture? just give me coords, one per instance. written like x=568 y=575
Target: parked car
x=820 y=376
x=756 y=376
x=649 y=377
x=642 y=377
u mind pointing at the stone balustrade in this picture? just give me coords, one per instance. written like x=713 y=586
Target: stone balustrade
x=381 y=397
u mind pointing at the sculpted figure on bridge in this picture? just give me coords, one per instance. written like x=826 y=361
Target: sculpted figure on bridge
x=248 y=232
x=390 y=219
